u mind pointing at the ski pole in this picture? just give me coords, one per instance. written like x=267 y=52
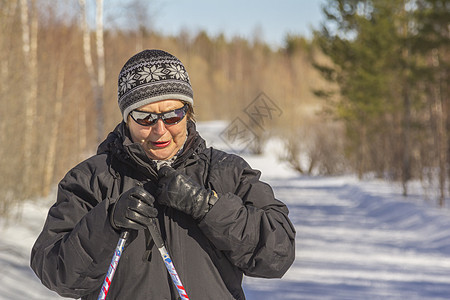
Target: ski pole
x=113 y=265
x=156 y=235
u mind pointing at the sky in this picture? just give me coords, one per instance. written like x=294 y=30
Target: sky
x=273 y=20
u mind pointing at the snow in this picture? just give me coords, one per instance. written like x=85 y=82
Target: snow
x=355 y=239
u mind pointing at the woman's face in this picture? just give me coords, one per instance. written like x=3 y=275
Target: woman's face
x=160 y=141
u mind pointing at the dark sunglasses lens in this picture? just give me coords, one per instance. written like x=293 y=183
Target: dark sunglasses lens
x=146 y=122
x=172 y=120
x=150 y=119
x=143 y=118
x=175 y=116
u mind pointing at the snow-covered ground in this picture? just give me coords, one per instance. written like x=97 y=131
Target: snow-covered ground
x=355 y=239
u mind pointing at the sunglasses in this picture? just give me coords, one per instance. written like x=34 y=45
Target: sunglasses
x=169 y=118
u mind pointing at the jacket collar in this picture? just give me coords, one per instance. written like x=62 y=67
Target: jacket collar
x=120 y=145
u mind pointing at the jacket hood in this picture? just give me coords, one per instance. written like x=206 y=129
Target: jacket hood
x=115 y=139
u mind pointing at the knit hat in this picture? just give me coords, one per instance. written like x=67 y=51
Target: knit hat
x=151 y=76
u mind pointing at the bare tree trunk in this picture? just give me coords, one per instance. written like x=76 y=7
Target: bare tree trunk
x=97 y=81
x=86 y=41
x=440 y=131
x=440 y=145
x=406 y=126
x=6 y=16
x=51 y=153
x=82 y=132
x=406 y=133
x=439 y=138
x=33 y=53
x=362 y=151
x=90 y=68
x=29 y=111
x=4 y=70
x=100 y=72
x=29 y=48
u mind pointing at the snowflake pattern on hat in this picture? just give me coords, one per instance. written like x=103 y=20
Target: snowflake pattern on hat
x=145 y=74
x=150 y=76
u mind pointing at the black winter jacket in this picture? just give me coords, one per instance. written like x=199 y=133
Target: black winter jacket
x=246 y=232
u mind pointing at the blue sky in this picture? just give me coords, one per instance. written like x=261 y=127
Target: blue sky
x=272 y=18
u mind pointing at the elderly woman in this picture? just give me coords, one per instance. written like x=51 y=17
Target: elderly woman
x=217 y=219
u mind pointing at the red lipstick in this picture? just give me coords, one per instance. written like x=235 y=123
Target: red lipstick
x=161 y=144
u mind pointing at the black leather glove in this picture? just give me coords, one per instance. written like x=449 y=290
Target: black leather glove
x=133 y=210
x=180 y=192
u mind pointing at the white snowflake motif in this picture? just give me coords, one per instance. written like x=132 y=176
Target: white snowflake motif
x=177 y=72
x=149 y=74
x=126 y=82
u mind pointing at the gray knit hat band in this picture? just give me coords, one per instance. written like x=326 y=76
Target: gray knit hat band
x=151 y=76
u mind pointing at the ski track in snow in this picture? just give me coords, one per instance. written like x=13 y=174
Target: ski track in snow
x=360 y=240
x=355 y=239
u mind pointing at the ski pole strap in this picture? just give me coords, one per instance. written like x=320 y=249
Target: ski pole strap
x=113 y=265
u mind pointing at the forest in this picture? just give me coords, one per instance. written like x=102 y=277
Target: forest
x=368 y=94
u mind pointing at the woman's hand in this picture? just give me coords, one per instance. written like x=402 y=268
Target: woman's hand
x=180 y=192
x=133 y=210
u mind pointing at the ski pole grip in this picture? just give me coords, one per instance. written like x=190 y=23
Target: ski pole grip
x=124 y=235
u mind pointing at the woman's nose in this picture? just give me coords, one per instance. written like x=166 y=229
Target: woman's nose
x=159 y=127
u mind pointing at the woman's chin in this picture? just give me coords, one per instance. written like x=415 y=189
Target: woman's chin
x=161 y=154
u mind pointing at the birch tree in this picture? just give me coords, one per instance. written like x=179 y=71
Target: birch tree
x=97 y=77
x=54 y=132
x=29 y=24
